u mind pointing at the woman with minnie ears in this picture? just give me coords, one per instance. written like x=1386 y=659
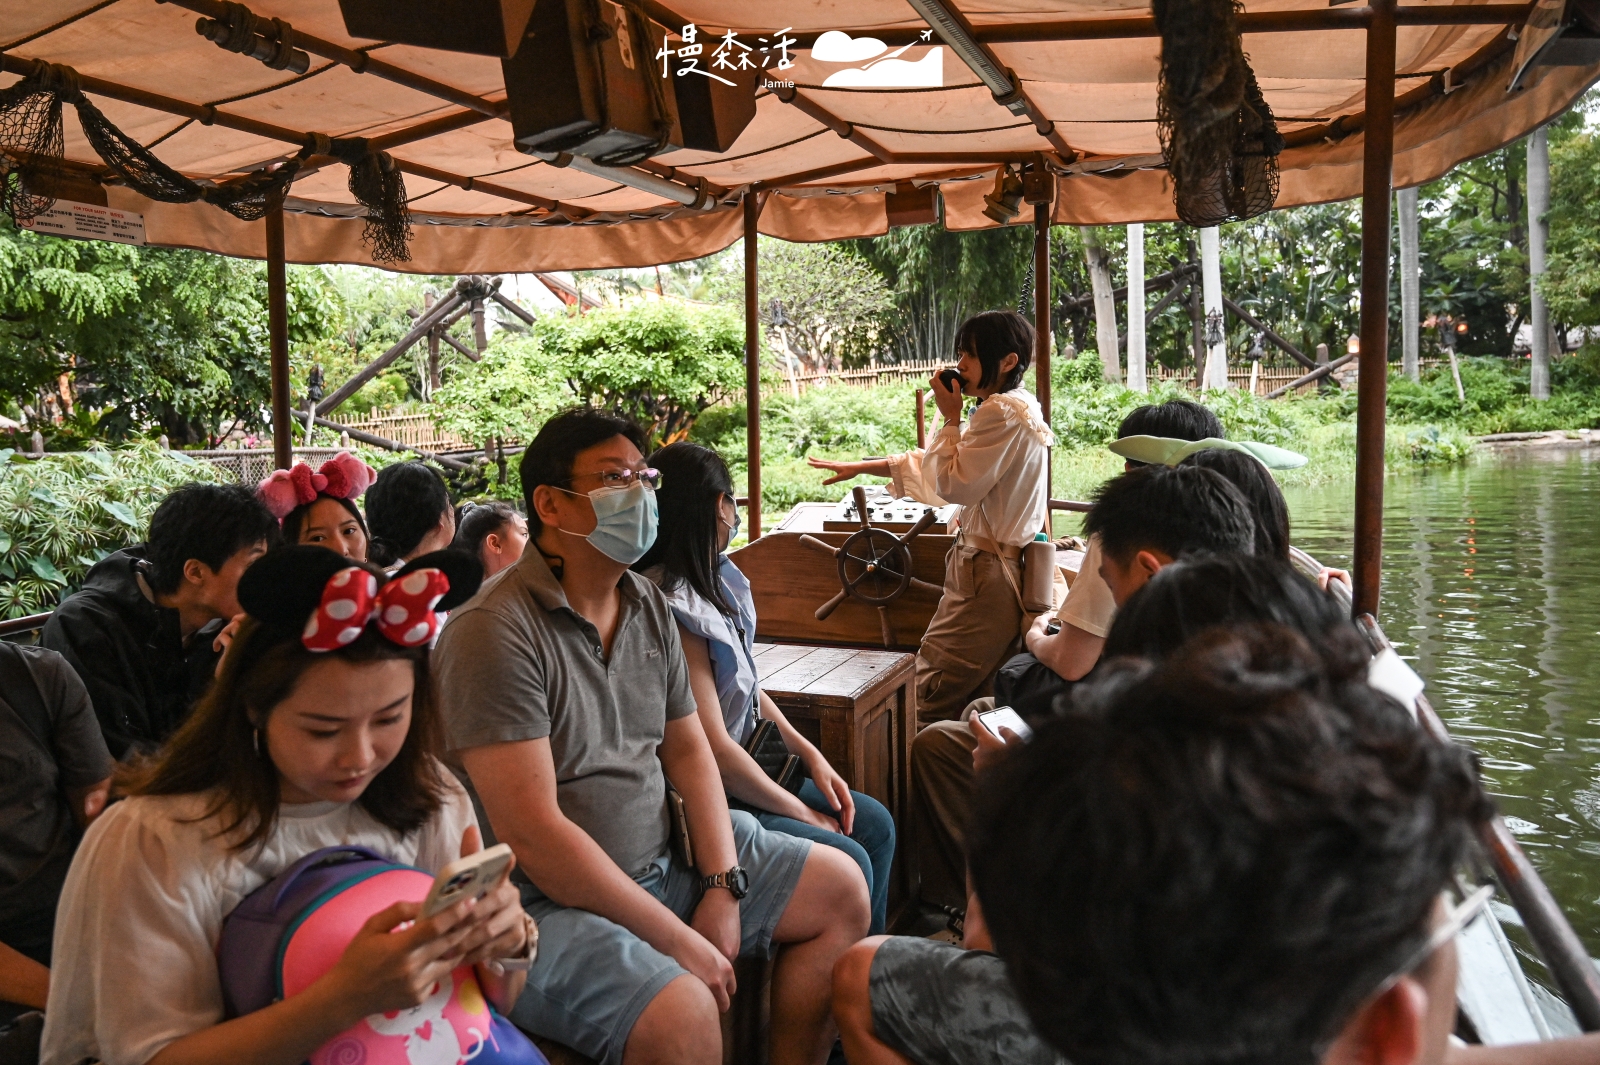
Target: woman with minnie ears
x=320 y=731
x=319 y=507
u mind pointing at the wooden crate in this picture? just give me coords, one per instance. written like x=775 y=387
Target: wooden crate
x=857 y=706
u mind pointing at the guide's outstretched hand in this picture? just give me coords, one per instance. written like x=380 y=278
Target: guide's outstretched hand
x=844 y=471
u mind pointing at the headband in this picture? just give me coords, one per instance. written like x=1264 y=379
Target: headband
x=317 y=595
x=1165 y=451
x=343 y=477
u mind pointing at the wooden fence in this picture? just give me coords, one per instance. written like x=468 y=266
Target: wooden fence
x=888 y=373
x=413 y=430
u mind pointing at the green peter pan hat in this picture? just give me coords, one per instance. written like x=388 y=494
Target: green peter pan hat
x=1165 y=451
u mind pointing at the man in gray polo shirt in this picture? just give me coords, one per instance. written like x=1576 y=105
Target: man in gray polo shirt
x=567 y=707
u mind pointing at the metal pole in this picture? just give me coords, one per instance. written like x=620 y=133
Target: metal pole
x=1538 y=233
x=1373 y=362
x=752 y=368
x=1136 y=378
x=1216 y=367
x=1410 y=286
x=278 y=327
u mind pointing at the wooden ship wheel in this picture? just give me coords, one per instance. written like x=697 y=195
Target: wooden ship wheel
x=874 y=565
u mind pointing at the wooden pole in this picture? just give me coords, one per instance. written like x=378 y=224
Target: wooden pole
x=1041 y=306
x=922 y=417
x=278 y=328
x=752 y=369
x=1373 y=361
x=428 y=300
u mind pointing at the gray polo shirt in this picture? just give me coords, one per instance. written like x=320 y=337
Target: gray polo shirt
x=518 y=663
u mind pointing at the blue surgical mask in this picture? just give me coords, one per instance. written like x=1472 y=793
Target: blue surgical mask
x=625 y=522
x=733 y=530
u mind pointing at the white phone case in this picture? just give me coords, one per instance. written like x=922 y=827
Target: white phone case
x=471 y=877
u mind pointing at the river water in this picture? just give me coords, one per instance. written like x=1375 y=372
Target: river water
x=1491 y=588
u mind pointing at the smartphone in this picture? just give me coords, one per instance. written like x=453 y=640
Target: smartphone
x=472 y=877
x=951 y=379
x=1005 y=717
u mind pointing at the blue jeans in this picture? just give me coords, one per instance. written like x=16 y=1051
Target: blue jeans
x=871 y=844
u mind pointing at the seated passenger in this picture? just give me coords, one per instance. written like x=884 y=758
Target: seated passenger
x=140 y=631
x=716 y=616
x=493 y=533
x=300 y=745
x=1177 y=604
x=1274 y=846
x=568 y=707
x=56 y=774
x=1256 y=483
x=320 y=507
x=1141 y=520
x=409 y=514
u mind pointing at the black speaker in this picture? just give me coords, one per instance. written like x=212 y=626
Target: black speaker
x=483 y=27
x=711 y=113
x=585 y=81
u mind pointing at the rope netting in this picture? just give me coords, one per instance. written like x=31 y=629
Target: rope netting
x=1218 y=135
x=32 y=152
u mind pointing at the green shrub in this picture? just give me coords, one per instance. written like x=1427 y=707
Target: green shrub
x=61 y=514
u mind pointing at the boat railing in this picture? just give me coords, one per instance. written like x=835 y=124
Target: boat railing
x=1558 y=945
x=21 y=626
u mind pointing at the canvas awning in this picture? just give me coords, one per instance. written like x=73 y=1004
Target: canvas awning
x=823 y=159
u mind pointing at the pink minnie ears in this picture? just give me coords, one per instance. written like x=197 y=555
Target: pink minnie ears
x=344 y=476
x=352 y=599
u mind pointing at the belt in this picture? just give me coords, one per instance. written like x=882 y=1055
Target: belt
x=983 y=543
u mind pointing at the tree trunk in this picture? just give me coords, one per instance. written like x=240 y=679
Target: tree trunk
x=1538 y=233
x=1136 y=355
x=1105 y=304
x=1410 y=286
x=1216 y=365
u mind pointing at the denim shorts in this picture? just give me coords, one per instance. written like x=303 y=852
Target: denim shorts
x=940 y=1005
x=593 y=978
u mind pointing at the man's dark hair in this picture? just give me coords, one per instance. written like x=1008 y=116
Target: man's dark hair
x=208 y=522
x=1176 y=419
x=993 y=335
x=1217 y=858
x=403 y=505
x=1255 y=482
x=548 y=459
x=1203 y=591
x=1173 y=510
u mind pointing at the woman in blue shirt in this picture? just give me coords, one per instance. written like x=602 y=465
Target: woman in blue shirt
x=716 y=618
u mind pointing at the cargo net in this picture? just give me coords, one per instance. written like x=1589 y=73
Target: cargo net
x=1218 y=135
x=32 y=151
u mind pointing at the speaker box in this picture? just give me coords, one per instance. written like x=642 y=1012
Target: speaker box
x=482 y=27
x=585 y=81
x=712 y=114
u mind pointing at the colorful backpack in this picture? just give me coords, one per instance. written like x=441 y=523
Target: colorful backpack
x=292 y=929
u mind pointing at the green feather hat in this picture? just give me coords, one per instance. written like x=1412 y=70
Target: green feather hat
x=1165 y=451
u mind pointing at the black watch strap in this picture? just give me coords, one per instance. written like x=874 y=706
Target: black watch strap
x=736 y=880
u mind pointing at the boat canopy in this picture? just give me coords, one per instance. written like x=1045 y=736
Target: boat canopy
x=829 y=143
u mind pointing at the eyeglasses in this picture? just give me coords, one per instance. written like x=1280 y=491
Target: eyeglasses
x=1473 y=902
x=622 y=477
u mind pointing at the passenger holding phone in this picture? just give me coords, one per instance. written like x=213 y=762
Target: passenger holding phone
x=996 y=467
x=306 y=741
x=716 y=615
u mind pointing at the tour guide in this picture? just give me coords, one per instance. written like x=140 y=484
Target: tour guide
x=996 y=467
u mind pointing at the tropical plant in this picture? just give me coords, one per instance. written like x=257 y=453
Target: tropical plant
x=61 y=514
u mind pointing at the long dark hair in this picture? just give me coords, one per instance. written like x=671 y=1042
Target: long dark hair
x=693 y=479
x=216 y=749
x=1255 y=483
x=293 y=520
x=403 y=505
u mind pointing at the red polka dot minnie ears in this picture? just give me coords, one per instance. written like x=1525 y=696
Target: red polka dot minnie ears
x=344 y=477
x=320 y=597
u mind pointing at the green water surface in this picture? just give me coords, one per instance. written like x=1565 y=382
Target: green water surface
x=1491 y=588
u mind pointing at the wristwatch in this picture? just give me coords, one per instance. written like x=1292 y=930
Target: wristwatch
x=736 y=880
x=525 y=962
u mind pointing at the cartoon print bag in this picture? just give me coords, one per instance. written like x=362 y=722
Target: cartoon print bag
x=294 y=928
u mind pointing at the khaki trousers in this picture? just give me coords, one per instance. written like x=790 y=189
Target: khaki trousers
x=941 y=801
x=974 y=631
